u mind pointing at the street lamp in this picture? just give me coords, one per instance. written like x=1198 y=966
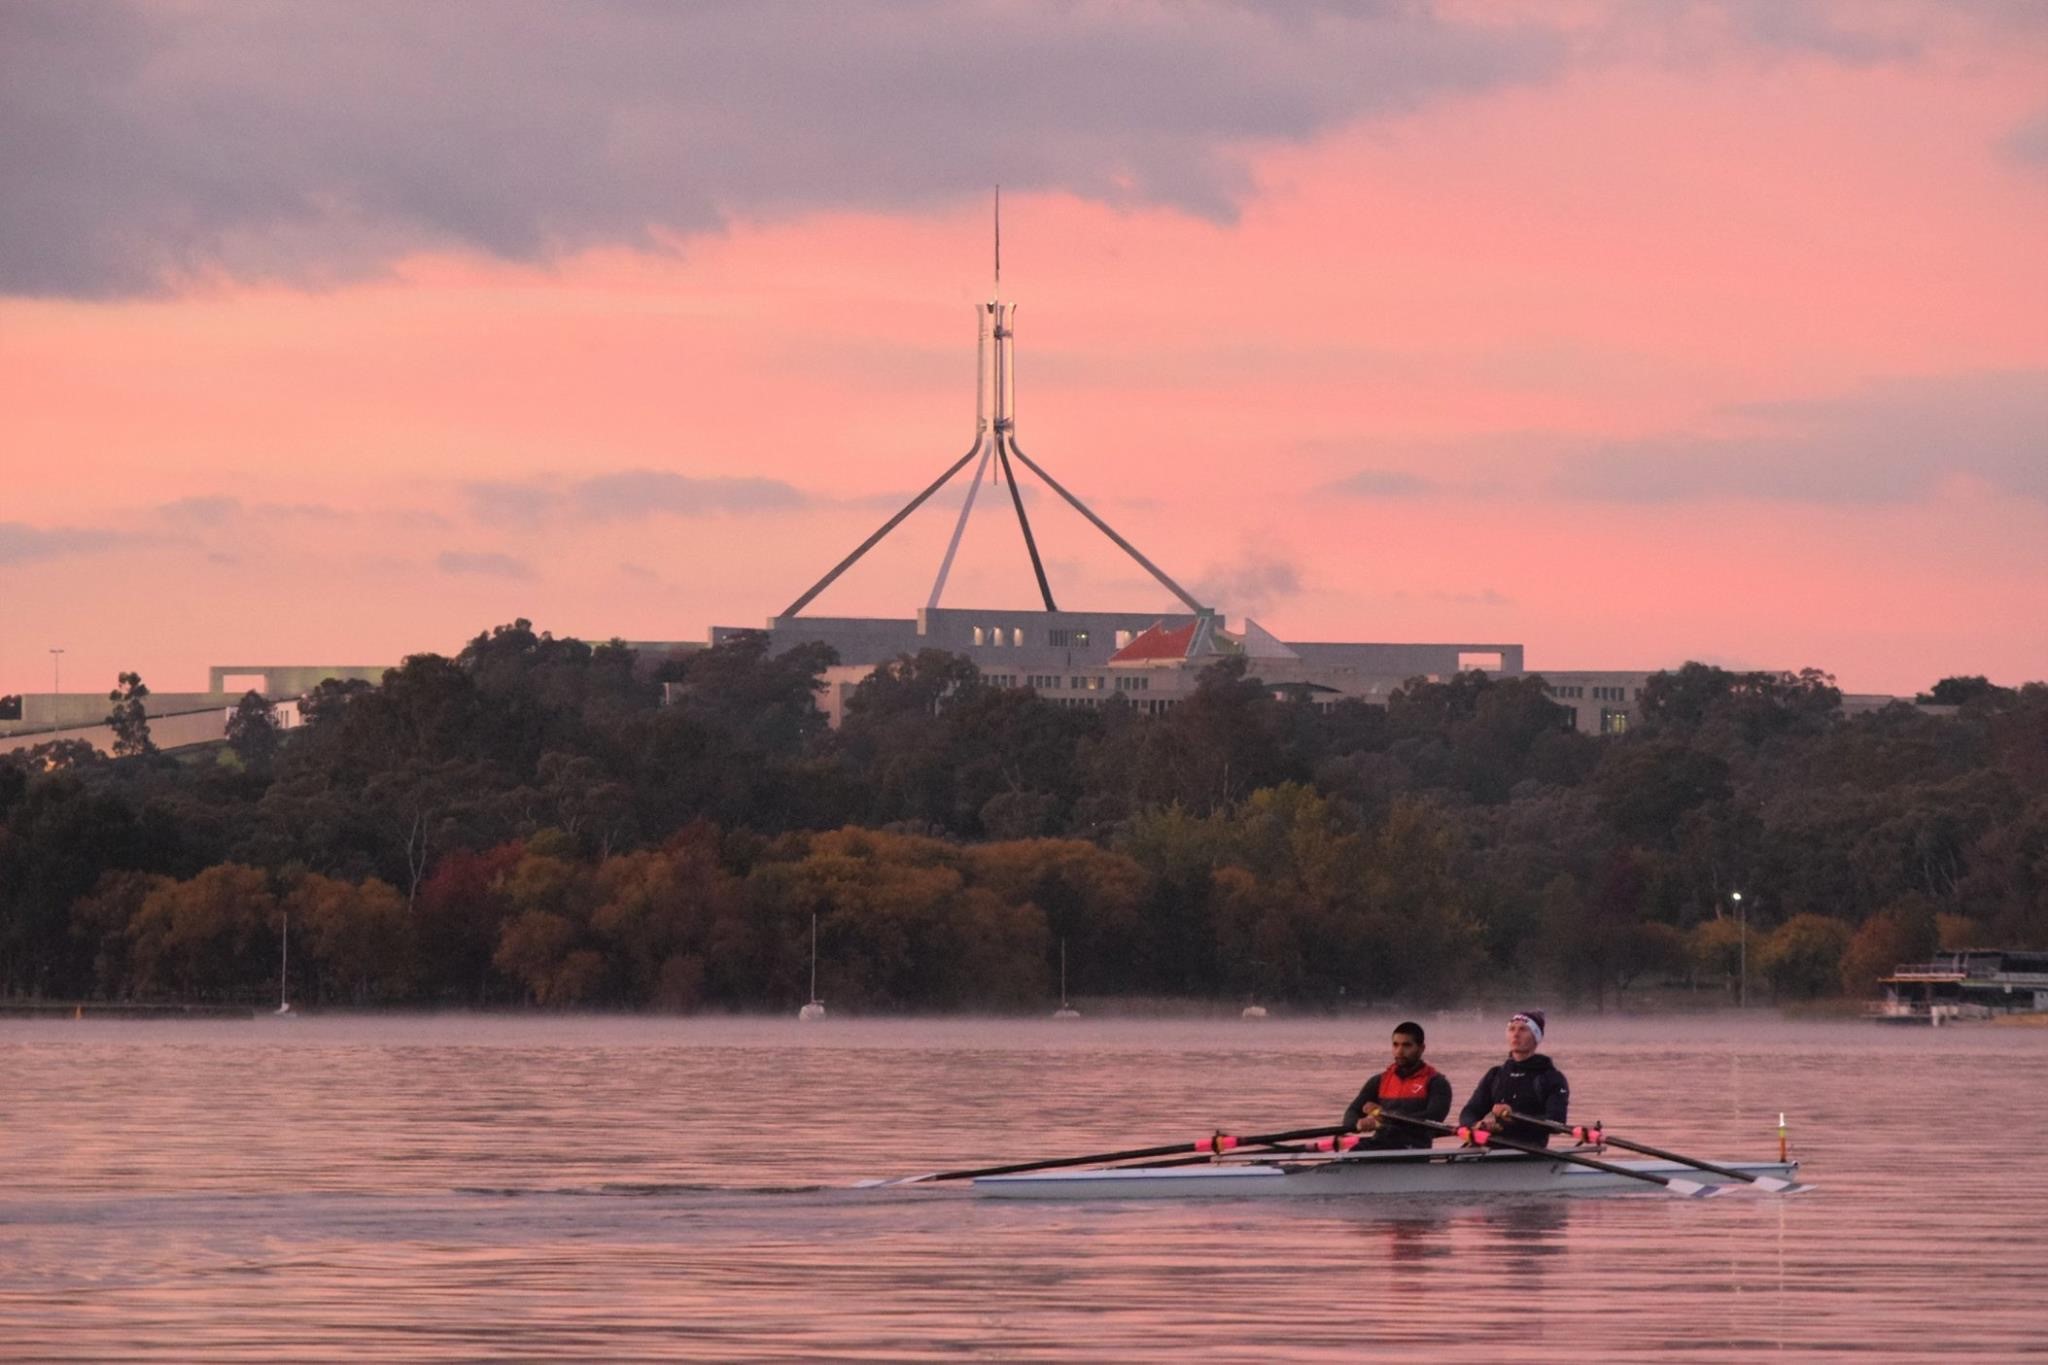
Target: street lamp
x=1742 y=952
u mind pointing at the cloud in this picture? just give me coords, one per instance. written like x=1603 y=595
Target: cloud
x=1893 y=442
x=485 y=565
x=627 y=495
x=1382 y=483
x=150 y=146
x=21 y=543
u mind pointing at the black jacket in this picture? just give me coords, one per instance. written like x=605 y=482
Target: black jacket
x=1534 y=1086
x=1433 y=1106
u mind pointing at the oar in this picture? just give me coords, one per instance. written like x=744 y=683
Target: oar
x=1598 y=1135
x=1214 y=1145
x=1690 y=1189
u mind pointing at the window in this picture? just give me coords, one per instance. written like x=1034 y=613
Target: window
x=1123 y=637
x=1062 y=639
x=1017 y=636
x=1134 y=684
x=1613 y=722
x=980 y=636
x=1487 y=659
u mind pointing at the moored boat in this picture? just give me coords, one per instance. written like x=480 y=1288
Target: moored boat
x=1461 y=1171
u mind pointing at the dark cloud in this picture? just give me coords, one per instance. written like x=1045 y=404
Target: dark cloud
x=214 y=510
x=1894 y=442
x=626 y=495
x=21 y=543
x=148 y=146
x=2028 y=143
x=640 y=492
x=1382 y=483
x=1257 y=583
x=1852 y=35
x=1478 y=597
x=483 y=564
x=201 y=511
x=512 y=504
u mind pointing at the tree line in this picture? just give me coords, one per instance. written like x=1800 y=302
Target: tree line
x=527 y=822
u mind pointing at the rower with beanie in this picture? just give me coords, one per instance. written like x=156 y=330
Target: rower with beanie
x=1526 y=1083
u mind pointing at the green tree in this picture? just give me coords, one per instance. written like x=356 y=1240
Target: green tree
x=129 y=718
x=1960 y=691
x=253 y=731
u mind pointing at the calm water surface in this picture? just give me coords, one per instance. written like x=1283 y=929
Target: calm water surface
x=448 y=1188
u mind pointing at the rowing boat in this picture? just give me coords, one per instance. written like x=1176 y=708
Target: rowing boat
x=1459 y=1172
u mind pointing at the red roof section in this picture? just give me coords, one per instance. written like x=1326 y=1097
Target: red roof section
x=1156 y=642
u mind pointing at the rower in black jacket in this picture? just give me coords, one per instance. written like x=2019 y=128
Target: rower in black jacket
x=1526 y=1083
x=1409 y=1086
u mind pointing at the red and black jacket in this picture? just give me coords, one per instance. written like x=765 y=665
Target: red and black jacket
x=1424 y=1093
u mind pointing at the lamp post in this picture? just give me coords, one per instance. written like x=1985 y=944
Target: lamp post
x=1741 y=952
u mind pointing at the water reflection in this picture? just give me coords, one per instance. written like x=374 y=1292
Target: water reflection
x=444 y=1189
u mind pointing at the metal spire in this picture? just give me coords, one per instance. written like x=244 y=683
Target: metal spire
x=995 y=442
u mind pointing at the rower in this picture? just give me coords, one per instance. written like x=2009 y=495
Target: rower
x=1527 y=1082
x=1408 y=1086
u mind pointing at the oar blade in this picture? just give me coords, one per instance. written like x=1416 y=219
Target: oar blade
x=1691 y=1189
x=1776 y=1186
x=898 y=1180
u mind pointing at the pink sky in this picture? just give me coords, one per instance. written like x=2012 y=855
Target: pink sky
x=1740 y=357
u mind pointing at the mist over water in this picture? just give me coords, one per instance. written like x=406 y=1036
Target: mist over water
x=446 y=1187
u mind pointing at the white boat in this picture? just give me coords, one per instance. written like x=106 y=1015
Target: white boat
x=815 y=1010
x=1065 y=1011
x=1451 y=1172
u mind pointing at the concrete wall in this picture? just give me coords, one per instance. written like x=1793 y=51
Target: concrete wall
x=177 y=730
x=290 y=680
x=1408 y=661
x=1603 y=701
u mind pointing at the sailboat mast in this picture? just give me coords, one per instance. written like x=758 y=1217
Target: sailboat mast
x=284 y=962
x=814 y=955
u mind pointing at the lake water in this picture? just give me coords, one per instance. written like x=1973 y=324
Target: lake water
x=453 y=1187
